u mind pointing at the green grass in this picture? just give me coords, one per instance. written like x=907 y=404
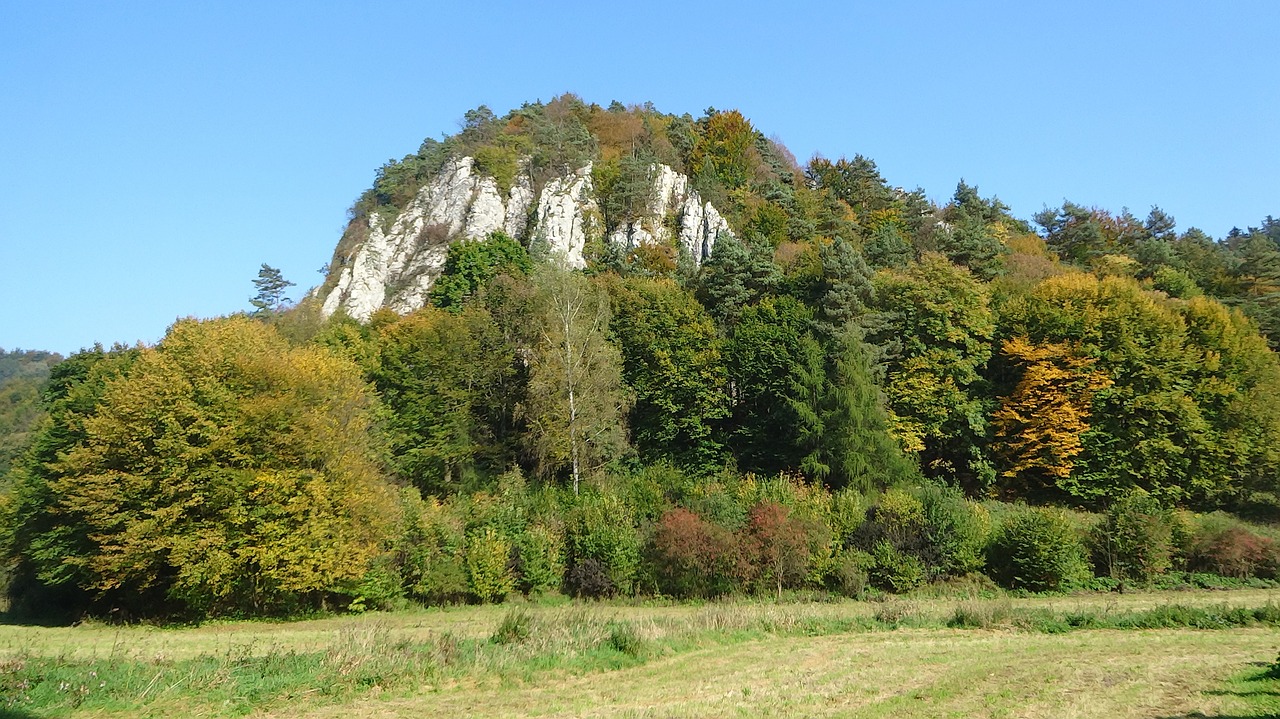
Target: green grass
x=423 y=662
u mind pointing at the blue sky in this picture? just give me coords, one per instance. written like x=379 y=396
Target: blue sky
x=153 y=155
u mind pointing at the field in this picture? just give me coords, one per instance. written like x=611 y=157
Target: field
x=1185 y=654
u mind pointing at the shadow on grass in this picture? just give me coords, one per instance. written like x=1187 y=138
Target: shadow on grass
x=16 y=714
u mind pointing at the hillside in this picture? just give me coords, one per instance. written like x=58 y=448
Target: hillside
x=614 y=351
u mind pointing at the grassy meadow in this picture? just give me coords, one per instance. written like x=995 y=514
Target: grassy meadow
x=1184 y=654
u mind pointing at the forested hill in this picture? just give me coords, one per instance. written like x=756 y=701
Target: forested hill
x=542 y=336
x=1068 y=360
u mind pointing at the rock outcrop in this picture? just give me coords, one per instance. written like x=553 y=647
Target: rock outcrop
x=396 y=264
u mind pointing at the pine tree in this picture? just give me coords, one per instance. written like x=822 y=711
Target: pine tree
x=271 y=286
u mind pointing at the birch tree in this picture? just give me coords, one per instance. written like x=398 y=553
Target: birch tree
x=576 y=401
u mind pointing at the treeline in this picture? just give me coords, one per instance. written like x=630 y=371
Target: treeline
x=825 y=403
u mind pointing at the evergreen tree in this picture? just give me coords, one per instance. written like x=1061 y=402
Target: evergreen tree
x=271 y=286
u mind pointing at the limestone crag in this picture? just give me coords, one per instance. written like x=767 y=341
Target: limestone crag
x=396 y=266
x=567 y=214
x=699 y=223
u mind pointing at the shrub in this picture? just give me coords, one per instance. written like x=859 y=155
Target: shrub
x=487 y=566
x=539 y=554
x=602 y=528
x=922 y=534
x=1226 y=546
x=778 y=546
x=430 y=550
x=955 y=531
x=894 y=570
x=848 y=574
x=1036 y=549
x=588 y=579
x=515 y=628
x=624 y=638
x=1135 y=540
x=693 y=557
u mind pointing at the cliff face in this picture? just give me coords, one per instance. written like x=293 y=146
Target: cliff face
x=401 y=257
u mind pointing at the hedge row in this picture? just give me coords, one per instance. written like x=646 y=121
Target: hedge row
x=662 y=533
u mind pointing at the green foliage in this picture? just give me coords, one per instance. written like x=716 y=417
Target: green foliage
x=489 y=575
x=775 y=366
x=895 y=570
x=442 y=376
x=600 y=529
x=1172 y=418
x=471 y=264
x=673 y=362
x=271 y=286
x=576 y=398
x=540 y=556
x=936 y=327
x=22 y=373
x=846 y=434
x=1135 y=541
x=1036 y=549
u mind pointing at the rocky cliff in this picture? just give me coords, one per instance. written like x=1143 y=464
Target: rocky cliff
x=400 y=257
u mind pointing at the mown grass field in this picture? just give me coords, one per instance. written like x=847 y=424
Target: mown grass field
x=1034 y=657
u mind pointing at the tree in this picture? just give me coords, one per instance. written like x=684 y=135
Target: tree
x=973 y=233
x=471 y=264
x=576 y=400
x=222 y=472
x=848 y=442
x=777 y=377
x=271 y=286
x=735 y=275
x=672 y=359
x=1039 y=427
x=935 y=327
x=438 y=373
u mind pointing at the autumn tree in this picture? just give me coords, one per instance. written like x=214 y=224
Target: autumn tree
x=576 y=398
x=1040 y=425
x=224 y=471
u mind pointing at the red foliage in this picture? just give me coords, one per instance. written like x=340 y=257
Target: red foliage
x=1235 y=552
x=778 y=545
x=694 y=557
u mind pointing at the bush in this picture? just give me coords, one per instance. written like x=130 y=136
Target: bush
x=894 y=570
x=923 y=534
x=602 y=528
x=1226 y=546
x=539 y=555
x=1135 y=540
x=955 y=529
x=490 y=576
x=693 y=557
x=1038 y=550
x=515 y=628
x=778 y=546
x=588 y=579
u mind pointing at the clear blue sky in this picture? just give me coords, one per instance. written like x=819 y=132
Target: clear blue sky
x=154 y=154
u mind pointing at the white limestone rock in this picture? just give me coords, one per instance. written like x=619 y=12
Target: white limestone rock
x=396 y=267
x=519 y=203
x=700 y=224
x=567 y=213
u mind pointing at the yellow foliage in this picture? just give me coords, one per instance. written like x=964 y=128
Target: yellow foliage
x=1038 y=427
